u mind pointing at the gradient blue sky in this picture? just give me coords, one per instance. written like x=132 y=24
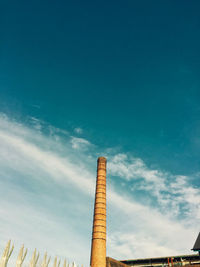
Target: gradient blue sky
x=83 y=79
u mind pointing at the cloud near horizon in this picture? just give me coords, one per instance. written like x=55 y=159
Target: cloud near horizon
x=47 y=184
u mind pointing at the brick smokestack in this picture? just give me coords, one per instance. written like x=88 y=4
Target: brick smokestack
x=98 y=249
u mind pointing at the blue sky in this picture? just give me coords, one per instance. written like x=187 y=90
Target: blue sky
x=82 y=80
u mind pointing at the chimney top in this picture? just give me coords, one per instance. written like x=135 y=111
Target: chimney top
x=102 y=159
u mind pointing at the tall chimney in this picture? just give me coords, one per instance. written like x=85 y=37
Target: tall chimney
x=98 y=249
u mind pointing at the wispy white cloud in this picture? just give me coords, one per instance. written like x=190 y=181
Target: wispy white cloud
x=78 y=130
x=36 y=106
x=142 y=222
x=130 y=168
x=174 y=194
x=79 y=143
x=30 y=172
x=47 y=191
x=37 y=124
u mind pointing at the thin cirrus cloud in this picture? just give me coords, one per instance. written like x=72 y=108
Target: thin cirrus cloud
x=47 y=196
x=79 y=143
x=173 y=194
x=78 y=130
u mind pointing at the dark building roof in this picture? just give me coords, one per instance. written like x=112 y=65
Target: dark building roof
x=110 y=262
x=197 y=244
x=161 y=260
